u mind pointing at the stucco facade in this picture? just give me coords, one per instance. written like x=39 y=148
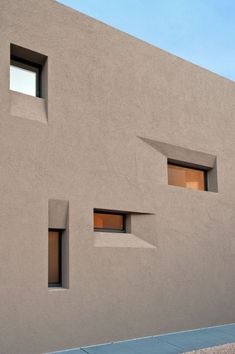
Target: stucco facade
x=113 y=110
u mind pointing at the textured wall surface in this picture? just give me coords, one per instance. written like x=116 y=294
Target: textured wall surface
x=105 y=90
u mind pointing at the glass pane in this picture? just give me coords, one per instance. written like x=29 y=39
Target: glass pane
x=109 y=221
x=54 y=257
x=22 y=80
x=186 y=177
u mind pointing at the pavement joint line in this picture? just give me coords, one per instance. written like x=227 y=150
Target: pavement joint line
x=84 y=350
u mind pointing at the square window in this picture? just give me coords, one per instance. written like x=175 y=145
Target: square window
x=28 y=72
x=109 y=221
x=187 y=177
x=54 y=258
x=25 y=77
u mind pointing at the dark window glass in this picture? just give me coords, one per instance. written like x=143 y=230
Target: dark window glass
x=186 y=177
x=109 y=221
x=54 y=258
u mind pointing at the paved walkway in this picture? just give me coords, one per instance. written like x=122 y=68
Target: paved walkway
x=172 y=343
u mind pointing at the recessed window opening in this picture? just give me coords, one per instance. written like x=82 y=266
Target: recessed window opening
x=54 y=258
x=191 y=177
x=108 y=221
x=25 y=77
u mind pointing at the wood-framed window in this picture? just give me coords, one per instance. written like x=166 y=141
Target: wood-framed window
x=109 y=221
x=187 y=176
x=54 y=258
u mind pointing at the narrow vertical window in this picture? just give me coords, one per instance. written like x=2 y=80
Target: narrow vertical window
x=54 y=258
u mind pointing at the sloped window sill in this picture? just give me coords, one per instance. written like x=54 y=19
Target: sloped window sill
x=51 y=289
x=28 y=107
x=119 y=240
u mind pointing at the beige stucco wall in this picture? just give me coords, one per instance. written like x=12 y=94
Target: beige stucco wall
x=105 y=90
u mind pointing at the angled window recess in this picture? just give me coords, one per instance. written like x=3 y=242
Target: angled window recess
x=58 y=244
x=28 y=83
x=113 y=229
x=188 y=168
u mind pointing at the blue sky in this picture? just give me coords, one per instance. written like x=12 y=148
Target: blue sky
x=201 y=31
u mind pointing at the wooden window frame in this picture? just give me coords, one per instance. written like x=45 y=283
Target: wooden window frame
x=59 y=284
x=124 y=216
x=192 y=167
